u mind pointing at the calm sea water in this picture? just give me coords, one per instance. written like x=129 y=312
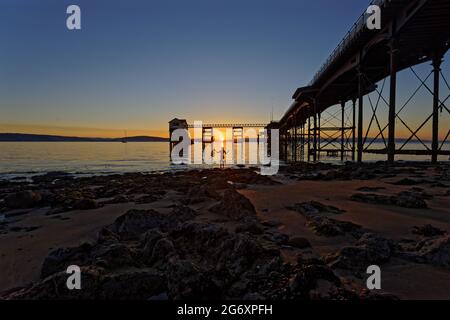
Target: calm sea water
x=29 y=158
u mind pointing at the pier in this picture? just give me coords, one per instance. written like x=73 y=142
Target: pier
x=326 y=116
x=413 y=32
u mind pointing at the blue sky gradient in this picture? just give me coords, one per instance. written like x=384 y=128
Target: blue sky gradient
x=136 y=64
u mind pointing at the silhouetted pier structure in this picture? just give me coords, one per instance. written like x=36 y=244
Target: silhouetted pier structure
x=413 y=32
x=238 y=130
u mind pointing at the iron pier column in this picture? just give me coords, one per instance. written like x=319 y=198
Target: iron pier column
x=319 y=115
x=315 y=134
x=392 y=103
x=437 y=61
x=360 y=114
x=353 y=130
x=342 y=129
x=309 y=137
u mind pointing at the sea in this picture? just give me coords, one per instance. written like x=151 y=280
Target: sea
x=25 y=159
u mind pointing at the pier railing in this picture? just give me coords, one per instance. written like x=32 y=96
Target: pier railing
x=357 y=27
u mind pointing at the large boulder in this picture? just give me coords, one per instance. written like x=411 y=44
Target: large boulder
x=201 y=193
x=408 y=199
x=58 y=260
x=134 y=223
x=234 y=205
x=369 y=250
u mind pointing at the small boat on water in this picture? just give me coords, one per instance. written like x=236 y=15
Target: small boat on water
x=124 y=140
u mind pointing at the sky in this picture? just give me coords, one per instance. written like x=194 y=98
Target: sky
x=136 y=64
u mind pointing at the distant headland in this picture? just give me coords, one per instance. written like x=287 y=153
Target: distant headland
x=22 y=137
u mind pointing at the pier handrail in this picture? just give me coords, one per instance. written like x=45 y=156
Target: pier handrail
x=357 y=27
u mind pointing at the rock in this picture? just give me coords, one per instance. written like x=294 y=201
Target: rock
x=96 y=285
x=229 y=254
x=160 y=297
x=201 y=193
x=58 y=260
x=23 y=199
x=107 y=236
x=272 y=223
x=404 y=199
x=147 y=199
x=141 y=284
x=330 y=227
x=85 y=204
x=234 y=206
x=55 y=211
x=54 y=287
x=162 y=249
x=372 y=198
x=435 y=251
x=410 y=200
x=119 y=199
x=183 y=213
x=252 y=227
x=314 y=208
x=149 y=239
x=299 y=242
x=113 y=256
x=187 y=281
x=427 y=231
x=134 y=223
x=276 y=237
x=307 y=279
x=50 y=177
x=370 y=249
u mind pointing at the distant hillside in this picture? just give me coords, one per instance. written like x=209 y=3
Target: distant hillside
x=17 y=137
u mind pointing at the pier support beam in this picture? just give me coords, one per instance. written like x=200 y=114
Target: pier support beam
x=360 y=114
x=315 y=134
x=437 y=61
x=309 y=137
x=392 y=103
x=286 y=137
x=295 y=149
x=302 y=143
x=319 y=115
x=353 y=129
x=342 y=130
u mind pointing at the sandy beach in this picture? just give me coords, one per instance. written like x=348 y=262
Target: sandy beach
x=307 y=233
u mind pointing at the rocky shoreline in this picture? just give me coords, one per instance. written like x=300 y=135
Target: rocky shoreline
x=206 y=240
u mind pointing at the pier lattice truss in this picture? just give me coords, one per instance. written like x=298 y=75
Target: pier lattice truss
x=326 y=117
